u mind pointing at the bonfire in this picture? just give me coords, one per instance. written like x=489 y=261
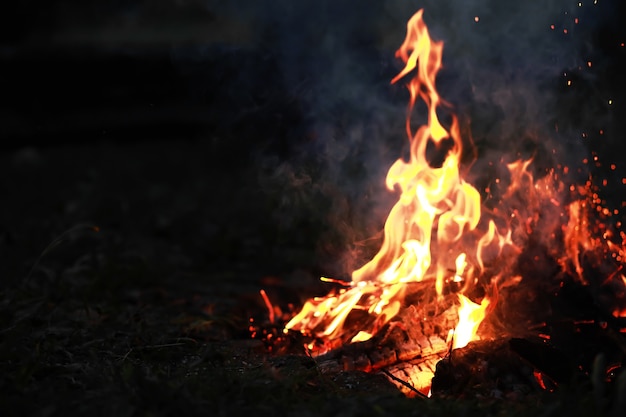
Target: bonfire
x=453 y=255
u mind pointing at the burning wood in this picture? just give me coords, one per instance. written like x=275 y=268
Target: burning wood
x=448 y=261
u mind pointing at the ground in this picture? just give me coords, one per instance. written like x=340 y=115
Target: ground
x=155 y=178
x=121 y=298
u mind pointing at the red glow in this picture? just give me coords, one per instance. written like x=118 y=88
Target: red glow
x=269 y=306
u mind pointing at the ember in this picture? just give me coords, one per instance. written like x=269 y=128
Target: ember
x=448 y=261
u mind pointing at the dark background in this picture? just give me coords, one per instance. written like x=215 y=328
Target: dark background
x=163 y=161
x=277 y=119
x=78 y=71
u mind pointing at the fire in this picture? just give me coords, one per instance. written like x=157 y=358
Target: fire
x=436 y=207
x=470 y=317
x=440 y=237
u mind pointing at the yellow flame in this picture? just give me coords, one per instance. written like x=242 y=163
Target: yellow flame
x=435 y=205
x=431 y=198
x=470 y=317
x=432 y=234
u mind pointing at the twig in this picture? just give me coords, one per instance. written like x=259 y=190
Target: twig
x=404 y=383
x=56 y=242
x=123 y=358
x=187 y=339
x=269 y=306
x=162 y=346
x=449 y=354
x=140 y=348
x=320 y=375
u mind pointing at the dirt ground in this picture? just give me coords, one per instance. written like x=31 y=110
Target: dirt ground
x=153 y=184
x=130 y=274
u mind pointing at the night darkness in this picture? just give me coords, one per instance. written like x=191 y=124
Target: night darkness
x=220 y=147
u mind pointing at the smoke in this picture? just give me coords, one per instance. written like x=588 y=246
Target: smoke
x=516 y=73
x=298 y=101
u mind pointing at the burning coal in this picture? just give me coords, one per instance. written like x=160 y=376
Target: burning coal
x=447 y=249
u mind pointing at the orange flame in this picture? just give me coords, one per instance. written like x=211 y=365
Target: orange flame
x=434 y=234
x=431 y=198
x=434 y=200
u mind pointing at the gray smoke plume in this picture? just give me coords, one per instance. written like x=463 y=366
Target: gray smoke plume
x=525 y=79
x=506 y=71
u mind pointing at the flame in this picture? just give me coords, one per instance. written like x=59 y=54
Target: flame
x=431 y=198
x=439 y=234
x=435 y=207
x=470 y=317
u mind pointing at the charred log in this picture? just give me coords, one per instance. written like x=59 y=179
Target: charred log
x=486 y=369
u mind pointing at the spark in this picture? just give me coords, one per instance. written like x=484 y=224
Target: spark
x=476 y=19
x=269 y=306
